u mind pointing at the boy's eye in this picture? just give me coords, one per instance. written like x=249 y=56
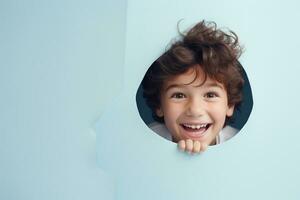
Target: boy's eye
x=211 y=95
x=178 y=95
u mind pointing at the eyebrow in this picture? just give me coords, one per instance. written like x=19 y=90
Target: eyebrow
x=182 y=85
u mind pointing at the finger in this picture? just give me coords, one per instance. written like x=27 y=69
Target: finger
x=203 y=147
x=181 y=145
x=189 y=145
x=197 y=147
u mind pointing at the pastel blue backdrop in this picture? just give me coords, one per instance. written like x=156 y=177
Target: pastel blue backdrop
x=70 y=127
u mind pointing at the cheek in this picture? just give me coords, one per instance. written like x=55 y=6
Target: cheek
x=218 y=112
x=172 y=111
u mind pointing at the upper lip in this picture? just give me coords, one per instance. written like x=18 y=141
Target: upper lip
x=193 y=123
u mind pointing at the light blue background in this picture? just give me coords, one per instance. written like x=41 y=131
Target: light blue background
x=64 y=63
x=54 y=85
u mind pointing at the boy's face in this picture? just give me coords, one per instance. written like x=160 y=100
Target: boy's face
x=191 y=110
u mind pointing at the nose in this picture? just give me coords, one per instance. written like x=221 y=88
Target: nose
x=195 y=107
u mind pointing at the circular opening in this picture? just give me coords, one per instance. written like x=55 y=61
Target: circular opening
x=237 y=121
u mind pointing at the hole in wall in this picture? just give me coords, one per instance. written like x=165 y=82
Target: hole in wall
x=184 y=96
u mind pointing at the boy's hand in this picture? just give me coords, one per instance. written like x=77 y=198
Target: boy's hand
x=191 y=146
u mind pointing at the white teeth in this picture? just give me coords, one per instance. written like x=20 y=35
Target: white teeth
x=195 y=126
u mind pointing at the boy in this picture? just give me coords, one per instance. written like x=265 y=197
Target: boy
x=193 y=88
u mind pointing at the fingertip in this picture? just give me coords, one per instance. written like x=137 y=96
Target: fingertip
x=189 y=145
x=181 y=145
x=204 y=147
x=197 y=147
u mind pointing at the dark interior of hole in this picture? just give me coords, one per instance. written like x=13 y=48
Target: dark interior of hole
x=238 y=120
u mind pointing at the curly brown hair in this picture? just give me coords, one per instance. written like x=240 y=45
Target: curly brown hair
x=213 y=50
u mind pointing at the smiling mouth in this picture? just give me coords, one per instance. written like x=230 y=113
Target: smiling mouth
x=195 y=130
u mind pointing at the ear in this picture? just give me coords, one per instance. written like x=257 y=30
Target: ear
x=229 y=111
x=159 y=112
